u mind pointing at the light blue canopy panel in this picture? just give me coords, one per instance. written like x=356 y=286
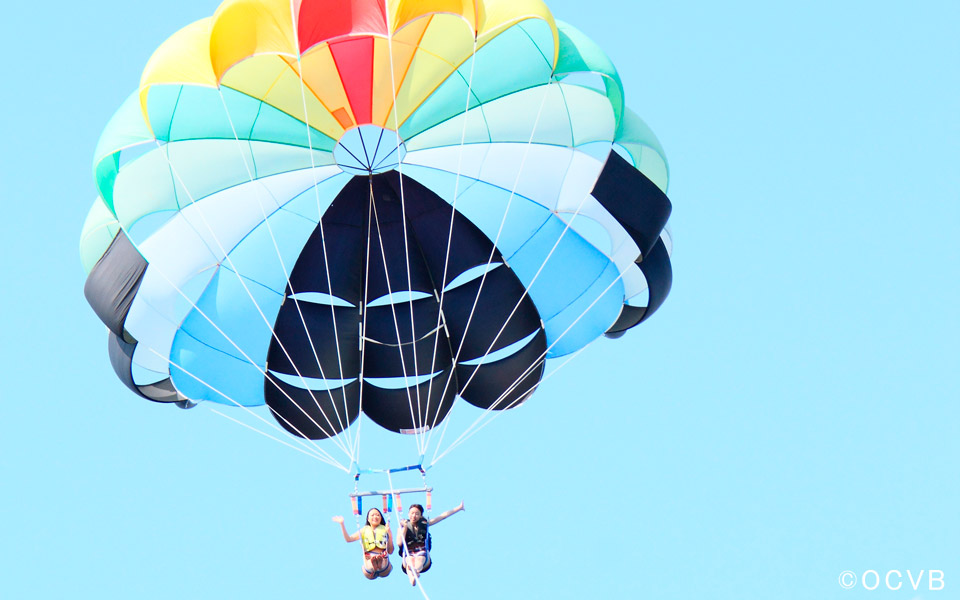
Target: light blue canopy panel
x=226 y=228
x=235 y=317
x=526 y=232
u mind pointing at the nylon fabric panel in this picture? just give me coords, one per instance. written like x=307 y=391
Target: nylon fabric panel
x=189 y=113
x=313 y=415
x=449 y=37
x=269 y=253
x=444 y=43
x=236 y=310
x=578 y=53
x=332 y=259
x=508 y=221
x=321 y=76
x=228 y=317
x=429 y=225
x=199 y=113
x=354 y=60
x=424 y=356
x=242 y=28
x=406 y=10
x=233 y=302
x=313 y=203
x=220 y=349
x=162 y=391
x=393 y=276
x=276 y=81
x=226 y=379
x=411 y=409
x=121 y=359
x=183 y=58
x=496 y=15
x=125 y=129
x=552 y=176
x=528 y=68
x=390 y=63
x=178 y=174
x=507 y=382
x=520 y=47
x=556 y=265
x=384 y=328
x=99 y=229
x=630 y=316
x=143 y=376
x=391 y=269
x=182 y=252
x=586 y=318
x=113 y=283
x=639 y=141
x=659 y=275
x=424 y=73
x=447 y=101
x=329 y=351
x=495 y=300
x=538 y=115
x=561 y=181
x=156 y=314
x=320 y=20
x=635 y=201
x=453 y=248
x=331 y=262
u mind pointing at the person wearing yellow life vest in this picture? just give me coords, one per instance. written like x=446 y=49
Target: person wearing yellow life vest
x=415 y=541
x=377 y=540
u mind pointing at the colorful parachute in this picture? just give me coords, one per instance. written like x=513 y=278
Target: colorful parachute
x=350 y=207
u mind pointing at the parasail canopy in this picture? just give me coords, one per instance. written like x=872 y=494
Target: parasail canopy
x=347 y=209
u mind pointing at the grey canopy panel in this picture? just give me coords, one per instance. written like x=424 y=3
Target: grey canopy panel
x=113 y=282
x=121 y=358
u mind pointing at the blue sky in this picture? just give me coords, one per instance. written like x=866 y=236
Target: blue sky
x=790 y=413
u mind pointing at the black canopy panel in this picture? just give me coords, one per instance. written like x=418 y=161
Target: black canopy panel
x=412 y=409
x=655 y=266
x=312 y=414
x=363 y=315
x=633 y=200
x=505 y=383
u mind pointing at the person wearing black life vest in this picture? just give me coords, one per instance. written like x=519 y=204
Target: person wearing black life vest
x=415 y=541
x=377 y=542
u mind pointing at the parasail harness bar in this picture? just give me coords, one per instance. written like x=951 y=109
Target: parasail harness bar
x=391 y=497
x=394 y=492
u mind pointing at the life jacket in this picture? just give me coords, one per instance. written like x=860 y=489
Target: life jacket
x=418 y=537
x=373 y=539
